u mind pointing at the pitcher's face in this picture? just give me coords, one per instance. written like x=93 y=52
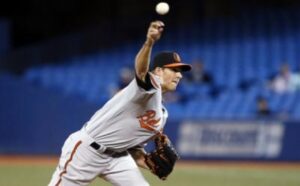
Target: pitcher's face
x=170 y=78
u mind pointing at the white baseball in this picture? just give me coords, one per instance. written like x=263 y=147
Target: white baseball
x=162 y=8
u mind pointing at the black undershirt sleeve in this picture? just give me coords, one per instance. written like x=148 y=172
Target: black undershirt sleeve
x=147 y=85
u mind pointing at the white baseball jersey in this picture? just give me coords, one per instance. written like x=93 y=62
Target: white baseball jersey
x=131 y=117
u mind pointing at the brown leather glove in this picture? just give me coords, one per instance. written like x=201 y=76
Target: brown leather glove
x=162 y=160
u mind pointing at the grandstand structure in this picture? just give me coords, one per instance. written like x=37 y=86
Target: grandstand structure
x=47 y=92
x=240 y=50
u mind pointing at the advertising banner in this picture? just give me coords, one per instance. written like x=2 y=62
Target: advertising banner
x=234 y=139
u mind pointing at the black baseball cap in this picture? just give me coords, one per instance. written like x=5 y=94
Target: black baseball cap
x=169 y=60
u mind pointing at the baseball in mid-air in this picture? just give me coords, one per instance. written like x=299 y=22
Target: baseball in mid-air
x=162 y=8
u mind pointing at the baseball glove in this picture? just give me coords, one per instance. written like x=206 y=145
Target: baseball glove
x=162 y=160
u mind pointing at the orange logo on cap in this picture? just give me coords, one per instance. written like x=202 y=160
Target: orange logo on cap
x=176 y=57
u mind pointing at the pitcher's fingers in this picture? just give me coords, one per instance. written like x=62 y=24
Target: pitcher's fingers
x=157 y=24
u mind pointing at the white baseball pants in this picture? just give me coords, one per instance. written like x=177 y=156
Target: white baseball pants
x=80 y=164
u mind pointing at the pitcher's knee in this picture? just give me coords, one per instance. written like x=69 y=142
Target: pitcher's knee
x=146 y=184
x=141 y=184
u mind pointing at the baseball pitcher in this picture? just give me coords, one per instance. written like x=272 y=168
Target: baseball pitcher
x=110 y=145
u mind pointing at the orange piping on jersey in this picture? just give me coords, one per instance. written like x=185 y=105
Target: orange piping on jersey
x=67 y=162
x=153 y=82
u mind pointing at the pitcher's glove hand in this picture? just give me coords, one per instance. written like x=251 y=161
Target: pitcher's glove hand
x=162 y=160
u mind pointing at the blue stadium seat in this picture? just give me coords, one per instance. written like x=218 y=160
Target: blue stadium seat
x=241 y=54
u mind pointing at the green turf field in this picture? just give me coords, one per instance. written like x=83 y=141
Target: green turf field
x=39 y=175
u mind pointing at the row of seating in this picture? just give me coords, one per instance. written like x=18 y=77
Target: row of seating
x=248 y=49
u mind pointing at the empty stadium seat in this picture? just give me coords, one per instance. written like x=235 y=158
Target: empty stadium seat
x=241 y=54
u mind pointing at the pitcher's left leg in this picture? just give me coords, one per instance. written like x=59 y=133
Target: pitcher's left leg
x=123 y=171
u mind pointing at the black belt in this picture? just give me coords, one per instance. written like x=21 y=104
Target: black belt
x=109 y=152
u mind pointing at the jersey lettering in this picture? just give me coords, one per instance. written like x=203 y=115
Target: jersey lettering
x=148 y=121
